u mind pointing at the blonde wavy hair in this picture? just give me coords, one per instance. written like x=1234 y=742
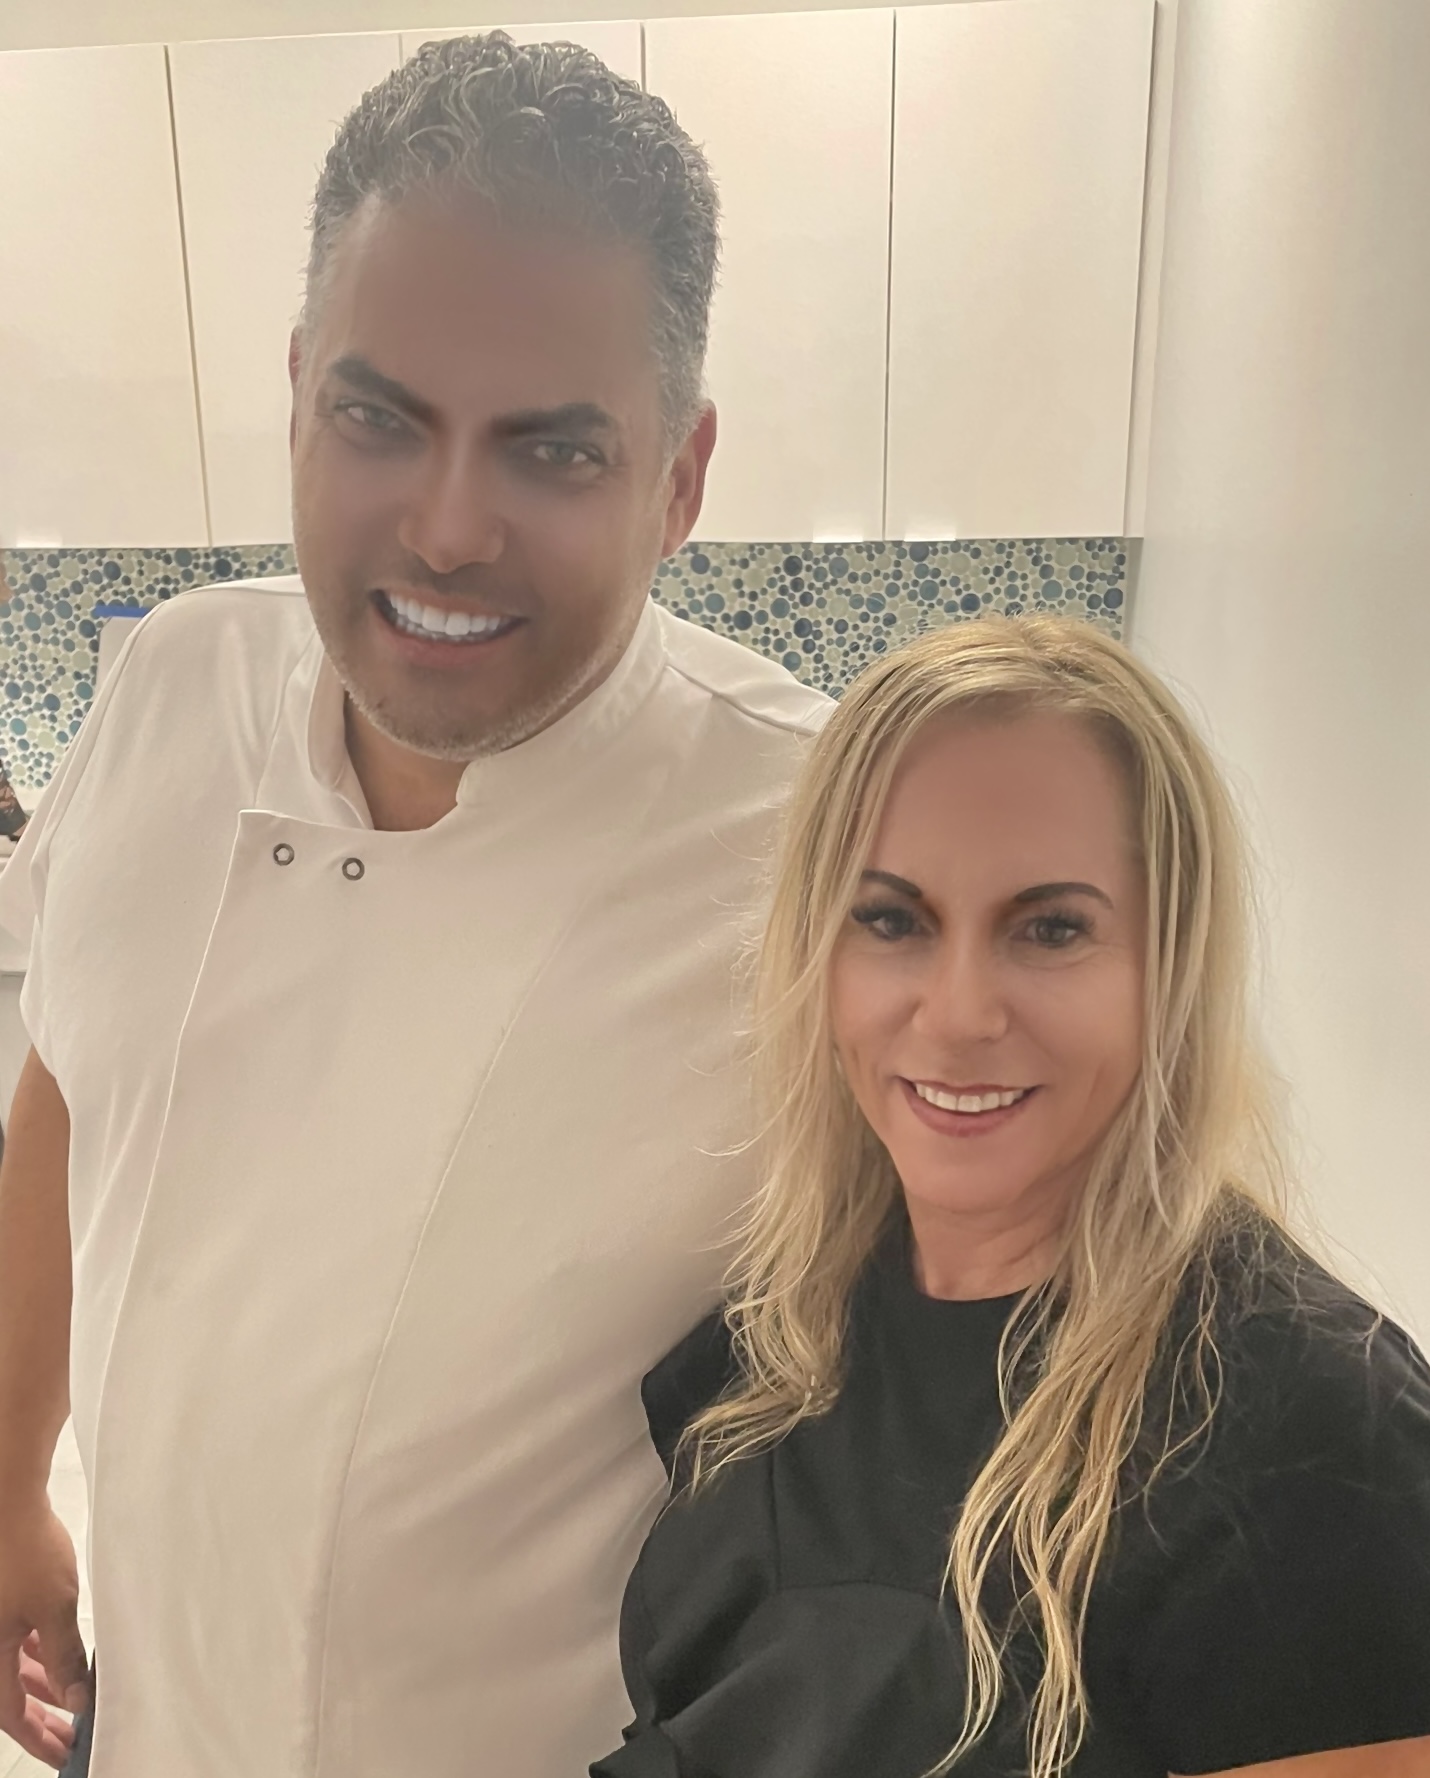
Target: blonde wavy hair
x=1085 y=1374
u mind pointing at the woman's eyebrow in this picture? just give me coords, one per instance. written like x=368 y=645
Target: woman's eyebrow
x=1053 y=891
x=900 y=885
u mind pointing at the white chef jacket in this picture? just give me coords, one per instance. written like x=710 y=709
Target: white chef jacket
x=397 y=1159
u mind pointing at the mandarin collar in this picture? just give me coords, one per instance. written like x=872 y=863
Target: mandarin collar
x=328 y=757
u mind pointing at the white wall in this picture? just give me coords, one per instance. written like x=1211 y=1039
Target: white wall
x=1286 y=574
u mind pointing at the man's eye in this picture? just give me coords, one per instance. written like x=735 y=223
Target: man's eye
x=369 y=417
x=560 y=453
x=886 y=920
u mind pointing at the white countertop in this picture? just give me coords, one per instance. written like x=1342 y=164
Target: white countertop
x=13 y=956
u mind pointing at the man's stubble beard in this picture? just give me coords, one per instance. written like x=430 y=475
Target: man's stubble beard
x=462 y=746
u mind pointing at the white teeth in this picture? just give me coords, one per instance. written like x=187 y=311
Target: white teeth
x=426 y=620
x=971 y=1102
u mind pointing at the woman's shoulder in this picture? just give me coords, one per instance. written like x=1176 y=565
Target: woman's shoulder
x=1270 y=1594
x=1305 y=1398
x=1302 y=1355
x=693 y=1374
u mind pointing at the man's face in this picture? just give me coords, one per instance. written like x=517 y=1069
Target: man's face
x=481 y=482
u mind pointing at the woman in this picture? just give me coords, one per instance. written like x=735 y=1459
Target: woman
x=1029 y=1439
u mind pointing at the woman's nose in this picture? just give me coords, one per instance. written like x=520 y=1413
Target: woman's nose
x=452 y=520
x=963 y=998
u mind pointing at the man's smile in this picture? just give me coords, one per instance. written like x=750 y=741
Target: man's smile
x=441 y=625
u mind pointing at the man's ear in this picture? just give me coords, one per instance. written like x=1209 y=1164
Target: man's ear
x=687 y=481
x=295 y=372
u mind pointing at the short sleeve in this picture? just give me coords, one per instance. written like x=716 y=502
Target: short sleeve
x=22 y=882
x=646 y=1754
x=646 y=1751
x=1294 y=1615
x=685 y=1382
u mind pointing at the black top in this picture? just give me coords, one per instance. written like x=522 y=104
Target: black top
x=1269 y=1597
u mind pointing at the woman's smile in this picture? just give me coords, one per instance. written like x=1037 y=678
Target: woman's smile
x=965 y=1111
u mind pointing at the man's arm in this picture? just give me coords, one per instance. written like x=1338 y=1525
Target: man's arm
x=38 y=1579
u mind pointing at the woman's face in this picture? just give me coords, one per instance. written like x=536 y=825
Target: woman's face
x=995 y=950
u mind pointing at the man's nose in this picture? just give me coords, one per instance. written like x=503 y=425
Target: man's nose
x=452 y=520
x=963 y=999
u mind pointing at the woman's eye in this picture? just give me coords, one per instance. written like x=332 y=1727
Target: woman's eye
x=886 y=922
x=1056 y=932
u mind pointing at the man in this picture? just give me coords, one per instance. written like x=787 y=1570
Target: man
x=384 y=994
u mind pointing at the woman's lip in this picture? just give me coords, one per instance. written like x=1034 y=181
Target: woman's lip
x=965 y=1123
x=990 y=1086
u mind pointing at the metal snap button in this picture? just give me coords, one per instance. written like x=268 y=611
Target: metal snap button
x=353 y=869
x=283 y=854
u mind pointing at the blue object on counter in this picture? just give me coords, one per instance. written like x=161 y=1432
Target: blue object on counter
x=102 y=612
x=12 y=816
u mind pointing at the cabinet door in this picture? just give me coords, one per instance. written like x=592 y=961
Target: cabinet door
x=616 y=41
x=98 y=433
x=253 y=119
x=794 y=112
x=1019 y=148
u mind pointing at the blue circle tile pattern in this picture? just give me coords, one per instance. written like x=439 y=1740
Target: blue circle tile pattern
x=49 y=632
x=825 y=610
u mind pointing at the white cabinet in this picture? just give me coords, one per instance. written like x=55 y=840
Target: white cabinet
x=616 y=41
x=794 y=111
x=960 y=367
x=98 y=432
x=253 y=120
x=1019 y=149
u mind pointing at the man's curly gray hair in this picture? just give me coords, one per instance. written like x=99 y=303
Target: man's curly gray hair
x=544 y=132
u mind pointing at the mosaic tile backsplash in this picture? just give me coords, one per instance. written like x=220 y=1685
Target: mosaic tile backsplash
x=825 y=610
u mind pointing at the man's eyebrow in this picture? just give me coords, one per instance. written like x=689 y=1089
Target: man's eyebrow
x=584 y=418
x=366 y=379
x=1054 y=891
x=900 y=885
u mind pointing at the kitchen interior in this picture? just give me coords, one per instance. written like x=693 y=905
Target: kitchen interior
x=1112 y=307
